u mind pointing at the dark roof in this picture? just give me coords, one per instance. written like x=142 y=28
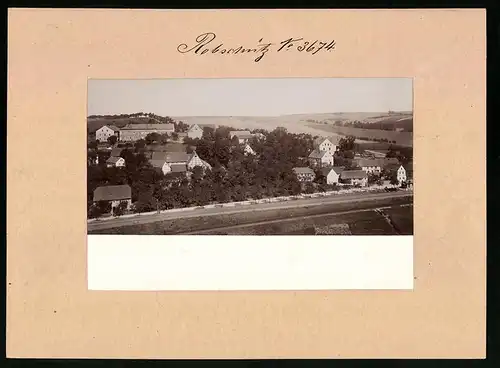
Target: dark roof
x=159 y=156
x=334 y=140
x=317 y=154
x=303 y=170
x=157 y=163
x=116 y=152
x=113 y=160
x=113 y=127
x=241 y=134
x=112 y=193
x=353 y=174
x=337 y=169
x=177 y=157
x=392 y=167
x=390 y=161
x=178 y=168
x=152 y=127
x=370 y=162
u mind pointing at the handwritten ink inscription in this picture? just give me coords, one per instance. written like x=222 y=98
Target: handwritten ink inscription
x=205 y=43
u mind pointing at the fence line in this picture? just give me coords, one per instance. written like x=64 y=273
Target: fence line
x=249 y=202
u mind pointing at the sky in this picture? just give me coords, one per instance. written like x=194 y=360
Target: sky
x=249 y=97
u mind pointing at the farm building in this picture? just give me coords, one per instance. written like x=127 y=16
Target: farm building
x=332 y=174
x=304 y=174
x=114 y=161
x=103 y=133
x=177 y=161
x=243 y=135
x=319 y=158
x=134 y=132
x=354 y=177
x=114 y=194
x=325 y=144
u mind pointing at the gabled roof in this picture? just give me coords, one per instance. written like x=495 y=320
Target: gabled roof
x=152 y=127
x=392 y=167
x=178 y=168
x=338 y=170
x=158 y=164
x=116 y=152
x=353 y=174
x=114 y=128
x=317 y=154
x=193 y=127
x=303 y=170
x=370 y=162
x=241 y=134
x=112 y=193
x=158 y=156
x=113 y=160
x=177 y=157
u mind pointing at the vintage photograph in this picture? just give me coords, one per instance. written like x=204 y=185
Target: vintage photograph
x=290 y=156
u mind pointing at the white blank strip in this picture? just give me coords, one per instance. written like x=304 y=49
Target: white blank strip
x=169 y=262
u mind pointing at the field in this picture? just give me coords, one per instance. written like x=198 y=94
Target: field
x=401 y=138
x=360 y=217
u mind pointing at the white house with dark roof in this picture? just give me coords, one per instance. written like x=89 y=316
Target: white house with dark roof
x=114 y=161
x=405 y=173
x=114 y=194
x=304 y=174
x=134 y=132
x=332 y=174
x=177 y=161
x=103 y=133
x=243 y=135
x=354 y=177
x=325 y=144
x=195 y=132
x=319 y=158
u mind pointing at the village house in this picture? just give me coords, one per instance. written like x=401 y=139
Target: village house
x=103 y=133
x=177 y=162
x=325 y=144
x=371 y=166
x=114 y=194
x=354 y=177
x=243 y=135
x=195 y=132
x=247 y=150
x=304 y=174
x=134 y=132
x=319 y=158
x=405 y=173
x=114 y=161
x=332 y=174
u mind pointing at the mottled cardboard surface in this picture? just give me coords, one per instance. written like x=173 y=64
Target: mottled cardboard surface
x=50 y=312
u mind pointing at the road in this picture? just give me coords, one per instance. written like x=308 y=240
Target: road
x=309 y=202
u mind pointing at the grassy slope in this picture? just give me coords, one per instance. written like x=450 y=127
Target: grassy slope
x=178 y=226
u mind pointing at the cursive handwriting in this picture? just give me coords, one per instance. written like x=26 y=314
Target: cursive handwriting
x=204 y=44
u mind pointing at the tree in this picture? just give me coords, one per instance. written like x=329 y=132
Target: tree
x=112 y=140
x=104 y=207
x=140 y=144
x=120 y=209
x=175 y=136
x=347 y=143
x=152 y=138
x=94 y=211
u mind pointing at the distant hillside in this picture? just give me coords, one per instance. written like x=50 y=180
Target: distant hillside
x=322 y=124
